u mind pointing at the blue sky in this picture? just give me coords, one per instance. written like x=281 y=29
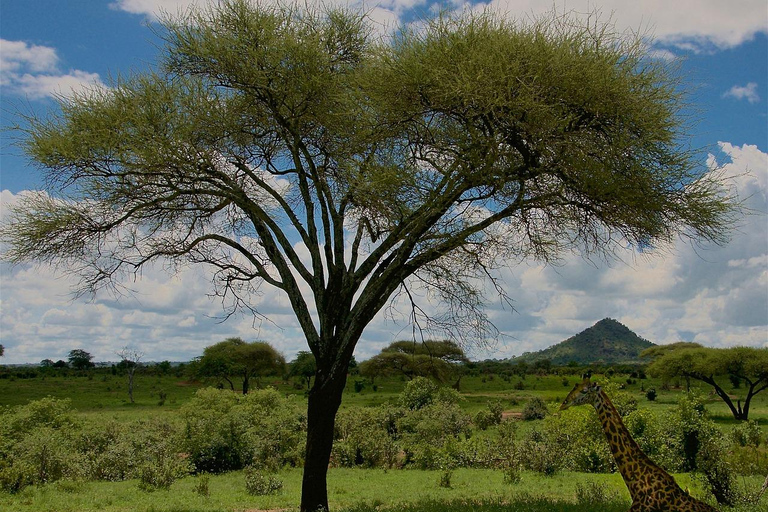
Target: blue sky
x=717 y=296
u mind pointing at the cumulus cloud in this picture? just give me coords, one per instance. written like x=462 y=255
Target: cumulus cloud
x=747 y=92
x=33 y=71
x=688 y=24
x=717 y=296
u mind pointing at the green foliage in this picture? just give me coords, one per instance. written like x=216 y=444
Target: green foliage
x=304 y=366
x=37 y=444
x=421 y=392
x=157 y=447
x=490 y=416
x=362 y=438
x=202 y=487
x=79 y=359
x=535 y=409
x=593 y=494
x=438 y=359
x=651 y=394
x=747 y=433
x=572 y=440
x=234 y=358
x=224 y=431
x=257 y=483
x=716 y=473
x=710 y=365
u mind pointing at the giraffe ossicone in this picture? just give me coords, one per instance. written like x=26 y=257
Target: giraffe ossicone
x=652 y=489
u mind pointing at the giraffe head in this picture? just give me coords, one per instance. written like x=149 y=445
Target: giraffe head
x=585 y=392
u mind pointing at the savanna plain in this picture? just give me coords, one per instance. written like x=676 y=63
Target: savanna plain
x=73 y=441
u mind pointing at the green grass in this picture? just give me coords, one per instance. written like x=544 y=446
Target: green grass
x=350 y=490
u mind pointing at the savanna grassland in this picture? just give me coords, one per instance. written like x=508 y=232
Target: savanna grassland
x=72 y=441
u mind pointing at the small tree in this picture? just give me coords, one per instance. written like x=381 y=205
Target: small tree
x=712 y=366
x=304 y=366
x=2 y=351
x=79 y=359
x=234 y=357
x=130 y=360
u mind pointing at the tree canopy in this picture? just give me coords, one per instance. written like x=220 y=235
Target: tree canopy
x=304 y=366
x=438 y=359
x=298 y=149
x=234 y=358
x=79 y=359
x=713 y=366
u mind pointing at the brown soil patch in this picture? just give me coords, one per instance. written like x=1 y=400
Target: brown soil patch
x=511 y=414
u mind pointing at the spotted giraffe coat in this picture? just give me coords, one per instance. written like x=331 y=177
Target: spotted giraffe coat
x=652 y=489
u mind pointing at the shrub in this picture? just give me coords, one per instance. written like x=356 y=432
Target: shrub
x=512 y=474
x=226 y=431
x=201 y=487
x=535 y=409
x=747 y=434
x=37 y=444
x=419 y=392
x=489 y=417
x=445 y=478
x=716 y=473
x=259 y=484
x=156 y=442
x=651 y=394
x=361 y=438
x=594 y=494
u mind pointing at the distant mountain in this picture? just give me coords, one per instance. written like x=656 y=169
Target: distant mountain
x=608 y=342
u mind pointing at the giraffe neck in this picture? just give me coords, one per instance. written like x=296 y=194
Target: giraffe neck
x=625 y=450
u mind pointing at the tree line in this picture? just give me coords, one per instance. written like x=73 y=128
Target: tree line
x=235 y=363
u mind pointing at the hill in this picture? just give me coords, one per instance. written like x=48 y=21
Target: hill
x=607 y=342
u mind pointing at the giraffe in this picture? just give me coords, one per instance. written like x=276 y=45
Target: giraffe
x=652 y=489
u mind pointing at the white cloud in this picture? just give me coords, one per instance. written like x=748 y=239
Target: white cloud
x=688 y=24
x=694 y=25
x=747 y=92
x=32 y=71
x=17 y=55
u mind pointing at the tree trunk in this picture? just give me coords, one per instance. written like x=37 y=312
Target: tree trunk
x=130 y=383
x=324 y=402
x=245 y=384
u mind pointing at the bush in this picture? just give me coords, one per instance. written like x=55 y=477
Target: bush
x=747 y=434
x=156 y=442
x=535 y=409
x=651 y=394
x=259 y=484
x=362 y=438
x=594 y=494
x=716 y=473
x=488 y=417
x=226 y=431
x=37 y=444
x=201 y=487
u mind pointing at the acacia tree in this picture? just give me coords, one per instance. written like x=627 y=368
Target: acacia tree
x=421 y=161
x=79 y=359
x=304 y=366
x=709 y=365
x=234 y=357
x=439 y=359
